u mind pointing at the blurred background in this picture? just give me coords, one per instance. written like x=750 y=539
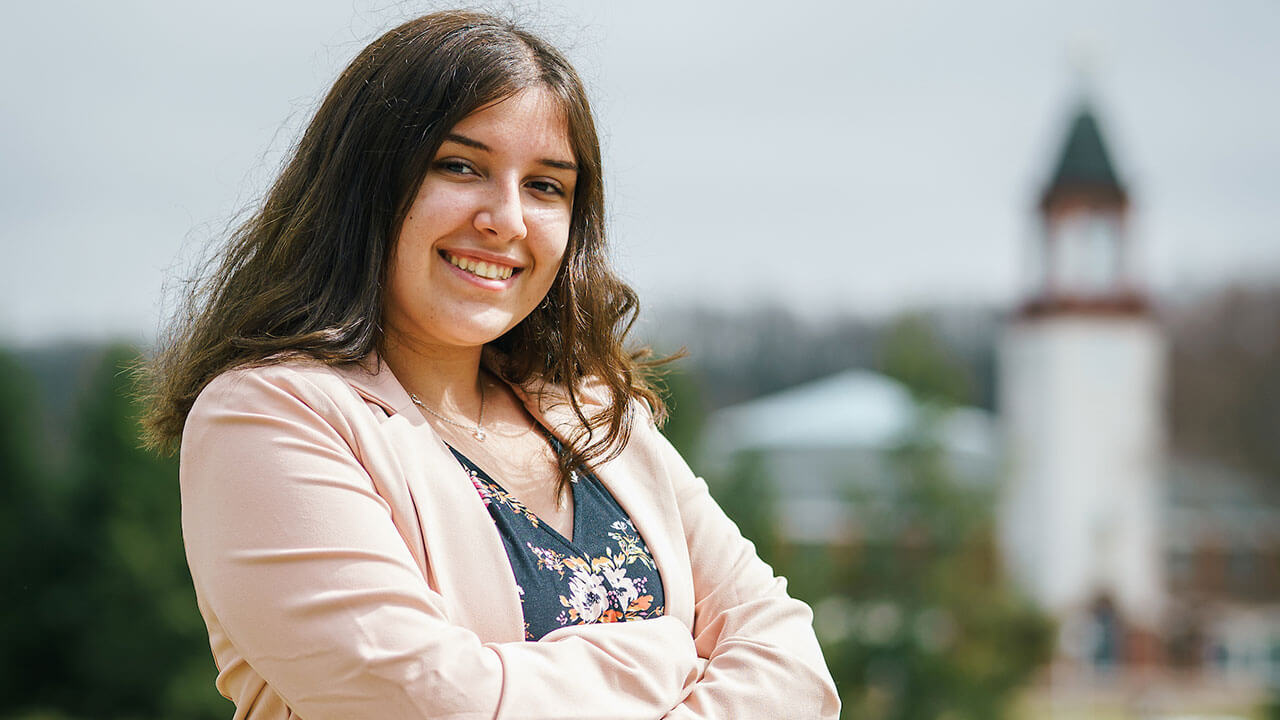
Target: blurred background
x=982 y=305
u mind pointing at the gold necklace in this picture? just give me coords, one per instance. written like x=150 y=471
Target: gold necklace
x=477 y=432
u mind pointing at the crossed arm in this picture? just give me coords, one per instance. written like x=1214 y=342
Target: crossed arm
x=763 y=657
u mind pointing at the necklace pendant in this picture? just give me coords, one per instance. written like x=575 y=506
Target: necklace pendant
x=479 y=434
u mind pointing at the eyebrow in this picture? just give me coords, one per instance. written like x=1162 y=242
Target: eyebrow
x=464 y=140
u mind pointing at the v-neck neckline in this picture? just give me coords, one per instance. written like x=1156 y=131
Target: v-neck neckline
x=540 y=523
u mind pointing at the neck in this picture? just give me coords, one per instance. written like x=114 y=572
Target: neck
x=447 y=379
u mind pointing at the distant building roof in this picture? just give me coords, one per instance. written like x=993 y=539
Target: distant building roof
x=852 y=409
x=855 y=407
x=1084 y=164
x=822 y=437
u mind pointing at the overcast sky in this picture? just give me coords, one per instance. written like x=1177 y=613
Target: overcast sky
x=831 y=156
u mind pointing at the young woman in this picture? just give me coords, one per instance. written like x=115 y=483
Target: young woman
x=420 y=473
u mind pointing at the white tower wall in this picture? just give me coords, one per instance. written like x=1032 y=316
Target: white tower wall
x=1082 y=407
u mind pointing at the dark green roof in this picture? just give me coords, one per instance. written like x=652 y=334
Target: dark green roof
x=1084 y=160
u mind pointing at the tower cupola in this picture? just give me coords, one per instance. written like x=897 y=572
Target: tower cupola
x=1082 y=255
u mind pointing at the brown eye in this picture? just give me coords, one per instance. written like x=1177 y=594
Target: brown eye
x=547 y=187
x=454 y=166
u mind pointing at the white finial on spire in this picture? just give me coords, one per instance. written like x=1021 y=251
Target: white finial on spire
x=1083 y=57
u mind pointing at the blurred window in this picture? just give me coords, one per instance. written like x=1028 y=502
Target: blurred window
x=1181 y=569
x=1242 y=571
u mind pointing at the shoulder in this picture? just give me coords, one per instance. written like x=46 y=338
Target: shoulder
x=593 y=395
x=290 y=387
x=298 y=411
x=301 y=375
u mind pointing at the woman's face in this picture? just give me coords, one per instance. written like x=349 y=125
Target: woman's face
x=487 y=230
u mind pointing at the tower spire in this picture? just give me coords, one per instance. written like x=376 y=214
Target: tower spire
x=1084 y=166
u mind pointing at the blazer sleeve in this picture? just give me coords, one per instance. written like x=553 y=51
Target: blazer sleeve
x=295 y=555
x=764 y=661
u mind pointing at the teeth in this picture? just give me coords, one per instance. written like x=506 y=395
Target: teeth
x=491 y=271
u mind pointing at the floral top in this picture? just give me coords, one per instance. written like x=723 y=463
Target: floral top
x=604 y=574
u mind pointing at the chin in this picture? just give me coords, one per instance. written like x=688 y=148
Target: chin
x=474 y=334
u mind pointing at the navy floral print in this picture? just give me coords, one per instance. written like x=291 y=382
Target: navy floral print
x=605 y=574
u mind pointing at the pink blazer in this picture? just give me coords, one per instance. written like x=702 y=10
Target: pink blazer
x=346 y=568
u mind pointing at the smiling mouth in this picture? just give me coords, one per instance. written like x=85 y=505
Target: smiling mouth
x=486 y=270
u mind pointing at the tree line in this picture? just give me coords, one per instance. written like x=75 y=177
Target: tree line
x=97 y=610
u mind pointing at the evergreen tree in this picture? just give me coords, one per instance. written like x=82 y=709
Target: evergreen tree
x=32 y=656
x=750 y=498
x=138 y=645
x=685 y=410
x=912 y=353
x=924 y=623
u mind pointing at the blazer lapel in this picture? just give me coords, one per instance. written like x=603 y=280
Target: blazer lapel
x=466 y=560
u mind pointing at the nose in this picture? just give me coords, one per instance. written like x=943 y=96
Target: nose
x=501 y=216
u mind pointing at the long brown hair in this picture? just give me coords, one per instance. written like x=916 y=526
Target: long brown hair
x=304 y=275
